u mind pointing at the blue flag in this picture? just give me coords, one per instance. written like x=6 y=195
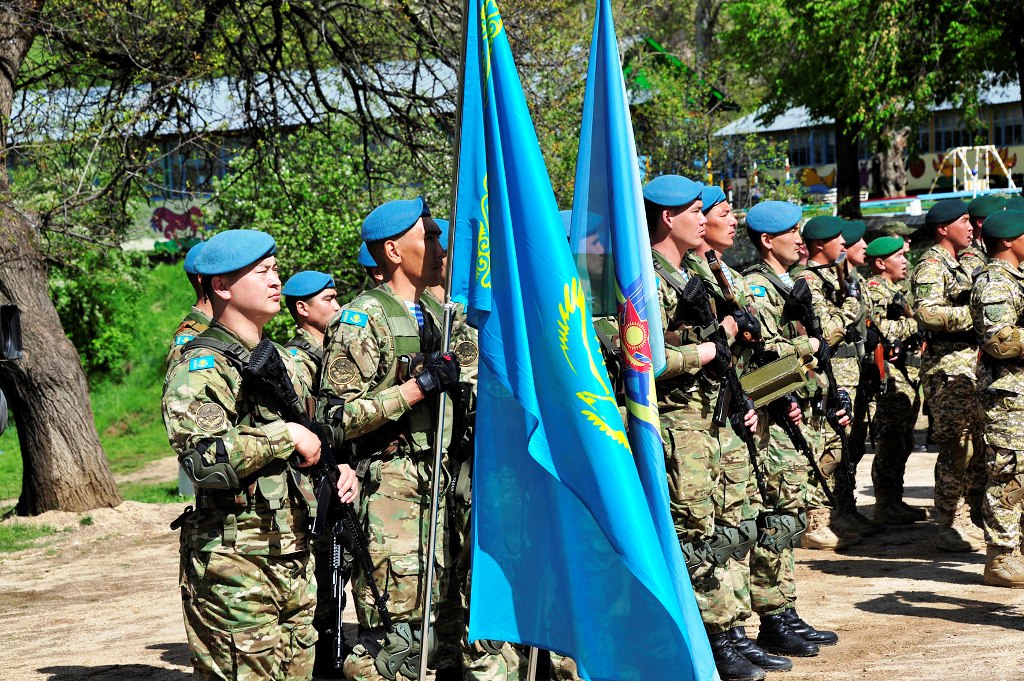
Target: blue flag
x=612 y=246
x=566 y=553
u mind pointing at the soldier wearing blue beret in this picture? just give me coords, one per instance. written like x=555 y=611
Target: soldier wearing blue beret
x=247 y=583
x=198 y=318
x=383 y=369
x=940 y=287
x=312 y=300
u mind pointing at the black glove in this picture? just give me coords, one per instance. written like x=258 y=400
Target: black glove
x=845 y=403
x=440 y=372
x=852 y=289
x=748 y=326
x=895 y=353
x=824 y=352
x=871 y=340
x=722 y=362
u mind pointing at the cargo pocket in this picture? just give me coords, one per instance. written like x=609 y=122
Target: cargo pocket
x=255 y=652
x=403 y=587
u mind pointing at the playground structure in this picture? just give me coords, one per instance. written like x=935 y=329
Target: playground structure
x=973 y=177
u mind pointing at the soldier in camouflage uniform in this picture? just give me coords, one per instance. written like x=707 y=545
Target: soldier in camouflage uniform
x=772 y=228
x=842 y=314
x=897 y=405
x=973 y=258
x=941 y=289
x=247 y=575
x=997 y=307
x=198 y=318
x=383 y=370
x=369 y=264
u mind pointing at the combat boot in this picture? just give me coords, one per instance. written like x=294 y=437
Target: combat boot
x=777 y=637
x=854 y=522
x=757 y=655
x=918 y=512
x=964 y=521
x=730 y=664
x=893 y=512
x=820 y=536
x=1003 y=567
x=953 y=538
x=820 y=637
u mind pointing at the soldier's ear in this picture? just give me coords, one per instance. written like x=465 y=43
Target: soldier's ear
x=220 y=285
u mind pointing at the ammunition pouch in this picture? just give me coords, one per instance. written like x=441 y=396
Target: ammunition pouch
x=777 y=378
x=219 y=475
x=398 y=654
x=695 y=552
x=732 y=542
x=780 y=531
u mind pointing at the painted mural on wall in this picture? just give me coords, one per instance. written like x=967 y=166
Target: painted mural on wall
x=173 y=225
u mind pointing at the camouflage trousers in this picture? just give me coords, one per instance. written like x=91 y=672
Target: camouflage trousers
x=1004 y=467
x=773 y=575
x=830 y=452
x=959 y=421
x=249 y=617
x=895 y=416
x=724 y=598
x=395 y=499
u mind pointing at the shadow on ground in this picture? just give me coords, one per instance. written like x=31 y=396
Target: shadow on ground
x=928 y=605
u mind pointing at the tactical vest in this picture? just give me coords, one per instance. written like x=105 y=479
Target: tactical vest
x=315 y=353
x=846 y=348
x=413 y=433
x=271 y=491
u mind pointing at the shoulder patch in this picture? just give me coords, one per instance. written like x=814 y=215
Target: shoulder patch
x=200 y=363
x=354 y=318
x=293 y=352
x=874 y=283
x=182 y=339
x=759 y=291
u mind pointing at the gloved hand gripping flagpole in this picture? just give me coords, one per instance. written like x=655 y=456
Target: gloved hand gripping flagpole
x=446 y=336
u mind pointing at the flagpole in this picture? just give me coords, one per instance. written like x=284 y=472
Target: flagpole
x=446 y=335
x=531 y=673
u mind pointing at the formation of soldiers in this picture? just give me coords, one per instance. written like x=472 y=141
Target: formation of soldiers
x=765 y=406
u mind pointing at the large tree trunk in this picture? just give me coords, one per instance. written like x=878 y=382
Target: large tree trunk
x=65 y=467
x=64 y=464
x=888 y=162
x=847 y=170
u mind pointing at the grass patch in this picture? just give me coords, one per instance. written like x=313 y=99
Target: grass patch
x=153 y=493
x=18 y=536
x=85 y=521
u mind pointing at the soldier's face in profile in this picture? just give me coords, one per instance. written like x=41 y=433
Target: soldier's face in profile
x=319 y=309
x=421 y=252
x=255 y=292
x=720 y=231
x=855 y=254
x=786 y=246
x=959 y=232
x=833 y=247
x=687 y=226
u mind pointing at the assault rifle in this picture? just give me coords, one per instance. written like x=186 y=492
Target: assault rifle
x=335 y=521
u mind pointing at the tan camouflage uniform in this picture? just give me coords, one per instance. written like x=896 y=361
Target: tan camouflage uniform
x=997 y=306
x=247 y=580
x=896 y=410
x=394 y=453
x=307 y=353
x=773 y=575
x=972 y=259
x=940 y=286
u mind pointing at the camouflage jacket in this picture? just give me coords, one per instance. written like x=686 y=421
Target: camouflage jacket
x=366 y=348
x=997 y=306
x=836 y=319
x=308 y=354
x=972 y=259
x=207 y=408
x=194 y=323
x=886 y=300
x=941 y=289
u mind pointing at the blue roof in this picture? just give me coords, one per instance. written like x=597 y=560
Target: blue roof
x=799 y=117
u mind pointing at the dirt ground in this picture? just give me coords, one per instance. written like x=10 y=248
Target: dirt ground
x=100 y=601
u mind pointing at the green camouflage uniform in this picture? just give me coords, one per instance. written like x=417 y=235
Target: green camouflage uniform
x=941 y=286
x=972 y=259
x=308 y=355
x=247 y=576
x=393 y=444
x=773 y=574
x=194 y=323
x=997 y=306
x=843 y=327
x=896 y=408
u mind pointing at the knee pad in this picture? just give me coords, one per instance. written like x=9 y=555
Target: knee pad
x=731 y=542
x=780 y=531
x=400 y=652
x=695 y=552
x=828 y=463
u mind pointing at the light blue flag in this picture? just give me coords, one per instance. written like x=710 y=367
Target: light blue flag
x=566 y=553
x=612 y=246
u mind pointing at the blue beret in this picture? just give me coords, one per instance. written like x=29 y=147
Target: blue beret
x=773 y=217
x=710 y=196
x=393 y=218
x=306 y=284
x=945 y=211
x=233 y=249
x=824 y=227
x=1004 y=224
x=853 y=231
x=442 y=224
x=364 y=258
x=190 y=258
x=672 y=190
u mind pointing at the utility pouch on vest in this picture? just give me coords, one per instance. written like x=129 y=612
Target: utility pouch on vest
x=777 y=378
x=219 y=475
x=780 y=531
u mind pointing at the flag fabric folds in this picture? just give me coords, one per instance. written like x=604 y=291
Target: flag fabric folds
x=567 y=555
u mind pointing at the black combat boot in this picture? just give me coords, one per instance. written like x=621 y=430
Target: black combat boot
x=776 y=637
x=809 y=633
x=756 y=654
x=730 y=664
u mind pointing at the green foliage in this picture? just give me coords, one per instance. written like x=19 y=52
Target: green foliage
x=85 y=521
x=152 y=493
x=96 y=295
x=15 y=536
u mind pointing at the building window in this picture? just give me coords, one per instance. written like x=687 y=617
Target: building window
x=950 y=133
x=1007 y=127
x=924 y=139
x=799 y=148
